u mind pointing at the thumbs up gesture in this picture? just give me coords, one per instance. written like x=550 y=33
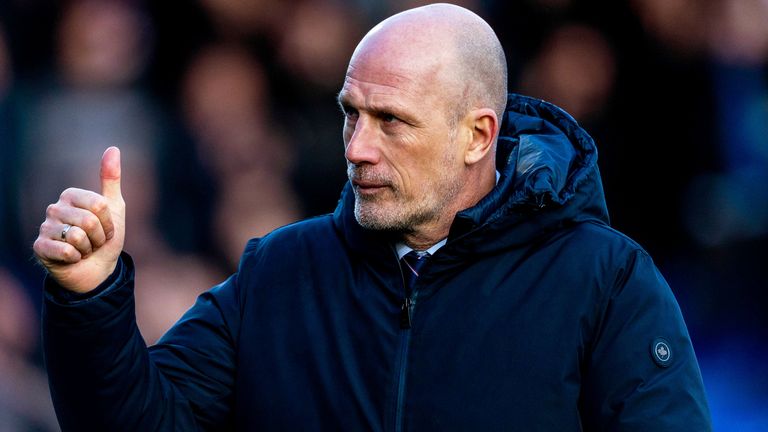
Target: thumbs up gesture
x=84 y=232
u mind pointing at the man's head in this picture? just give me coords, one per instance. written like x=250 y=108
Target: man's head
x=423 y=98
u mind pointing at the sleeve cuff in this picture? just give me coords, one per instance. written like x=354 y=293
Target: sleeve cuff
x=64 y=296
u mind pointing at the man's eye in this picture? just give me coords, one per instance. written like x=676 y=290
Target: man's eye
x=389 y=118
x=348 y=111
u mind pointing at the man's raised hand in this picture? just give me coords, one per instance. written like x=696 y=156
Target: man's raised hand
x=81 y=257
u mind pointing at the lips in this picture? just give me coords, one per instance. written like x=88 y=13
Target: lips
x=366 y=181
x=368 y=189
x=362 y=184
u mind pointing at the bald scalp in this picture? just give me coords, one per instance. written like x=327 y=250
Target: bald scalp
x=473 y=62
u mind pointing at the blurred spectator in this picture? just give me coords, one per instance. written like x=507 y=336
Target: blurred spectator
x=574 y=70
x=738 y=32
x=238 y=18
x=226 y=103
x=252 y=205
x=102 y=43
x=680 y=25
x=321 y=61
x=25 y=403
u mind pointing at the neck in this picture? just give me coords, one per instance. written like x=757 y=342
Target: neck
x=424 y=239
x=430 y=233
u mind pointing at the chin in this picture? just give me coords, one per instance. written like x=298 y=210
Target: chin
x=378 y=218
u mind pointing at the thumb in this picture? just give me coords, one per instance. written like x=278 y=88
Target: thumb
x=110 y=173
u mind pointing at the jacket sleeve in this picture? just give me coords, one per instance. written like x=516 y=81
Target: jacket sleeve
x=641 y=373
x=103 y=377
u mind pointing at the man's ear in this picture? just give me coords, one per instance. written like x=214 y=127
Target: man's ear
x=483 y=126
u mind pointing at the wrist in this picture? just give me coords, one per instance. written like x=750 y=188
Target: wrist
x=68 y=295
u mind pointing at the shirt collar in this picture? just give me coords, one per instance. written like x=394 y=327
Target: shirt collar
x=402 y=248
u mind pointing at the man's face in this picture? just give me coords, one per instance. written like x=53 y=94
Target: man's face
x=399 y=139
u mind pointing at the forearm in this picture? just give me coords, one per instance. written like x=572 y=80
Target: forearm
x=99 y=370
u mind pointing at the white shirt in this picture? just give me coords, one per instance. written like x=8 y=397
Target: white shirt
x=403 y=249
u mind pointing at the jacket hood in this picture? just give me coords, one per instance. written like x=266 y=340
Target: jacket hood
x=549 y=179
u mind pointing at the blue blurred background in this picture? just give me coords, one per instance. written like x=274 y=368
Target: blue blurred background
x=225 y=113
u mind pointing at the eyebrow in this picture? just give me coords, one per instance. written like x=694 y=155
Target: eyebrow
x=345 y=102
x=342 y=99
x=395 y=109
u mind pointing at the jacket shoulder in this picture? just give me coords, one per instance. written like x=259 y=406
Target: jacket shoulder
x=606 y=233
x=596 y=237
x=318 y=229
x=614 y=259
x=300 y=241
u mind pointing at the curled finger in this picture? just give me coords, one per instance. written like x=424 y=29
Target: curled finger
x=66 y=233
x=77 y=237
x=87 y=222
x=93 y=203
x=55 y=251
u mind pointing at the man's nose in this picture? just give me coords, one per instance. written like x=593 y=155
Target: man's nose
x=363 y=144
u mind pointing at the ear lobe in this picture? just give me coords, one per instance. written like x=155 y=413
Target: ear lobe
x=483 y=127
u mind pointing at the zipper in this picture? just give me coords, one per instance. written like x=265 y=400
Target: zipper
x=406 y=314
x=405 y=336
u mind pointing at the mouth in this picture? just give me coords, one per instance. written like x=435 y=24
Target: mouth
x=368 y=187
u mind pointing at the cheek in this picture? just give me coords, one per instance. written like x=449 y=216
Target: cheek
x=415 y=173
x=419 y=160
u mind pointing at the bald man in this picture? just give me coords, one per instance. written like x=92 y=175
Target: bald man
x=468 y=279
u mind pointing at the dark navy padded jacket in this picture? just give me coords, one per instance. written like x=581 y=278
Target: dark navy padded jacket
x=535 y=316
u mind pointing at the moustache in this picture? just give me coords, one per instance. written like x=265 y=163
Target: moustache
x=365 y=174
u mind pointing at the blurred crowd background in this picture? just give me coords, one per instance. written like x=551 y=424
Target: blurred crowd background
x=226 y=117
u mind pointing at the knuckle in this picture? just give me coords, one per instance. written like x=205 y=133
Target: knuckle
x=77 y=236
x=40 y=249
x=51 y=210
x=99 y=204
x=70 y=254
x=37 y=246
x=67 y=253
x=66 y=193
x=98 y=239
x=90 y=222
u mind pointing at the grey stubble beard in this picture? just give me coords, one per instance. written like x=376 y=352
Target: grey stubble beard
x=404 y=217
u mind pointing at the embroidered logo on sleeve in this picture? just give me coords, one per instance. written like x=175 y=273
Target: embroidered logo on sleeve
x=661 y=352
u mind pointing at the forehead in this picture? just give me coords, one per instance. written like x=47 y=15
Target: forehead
x=393 y=76
x=379 y=89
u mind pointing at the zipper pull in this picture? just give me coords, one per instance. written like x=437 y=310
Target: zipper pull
x=405 y=314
